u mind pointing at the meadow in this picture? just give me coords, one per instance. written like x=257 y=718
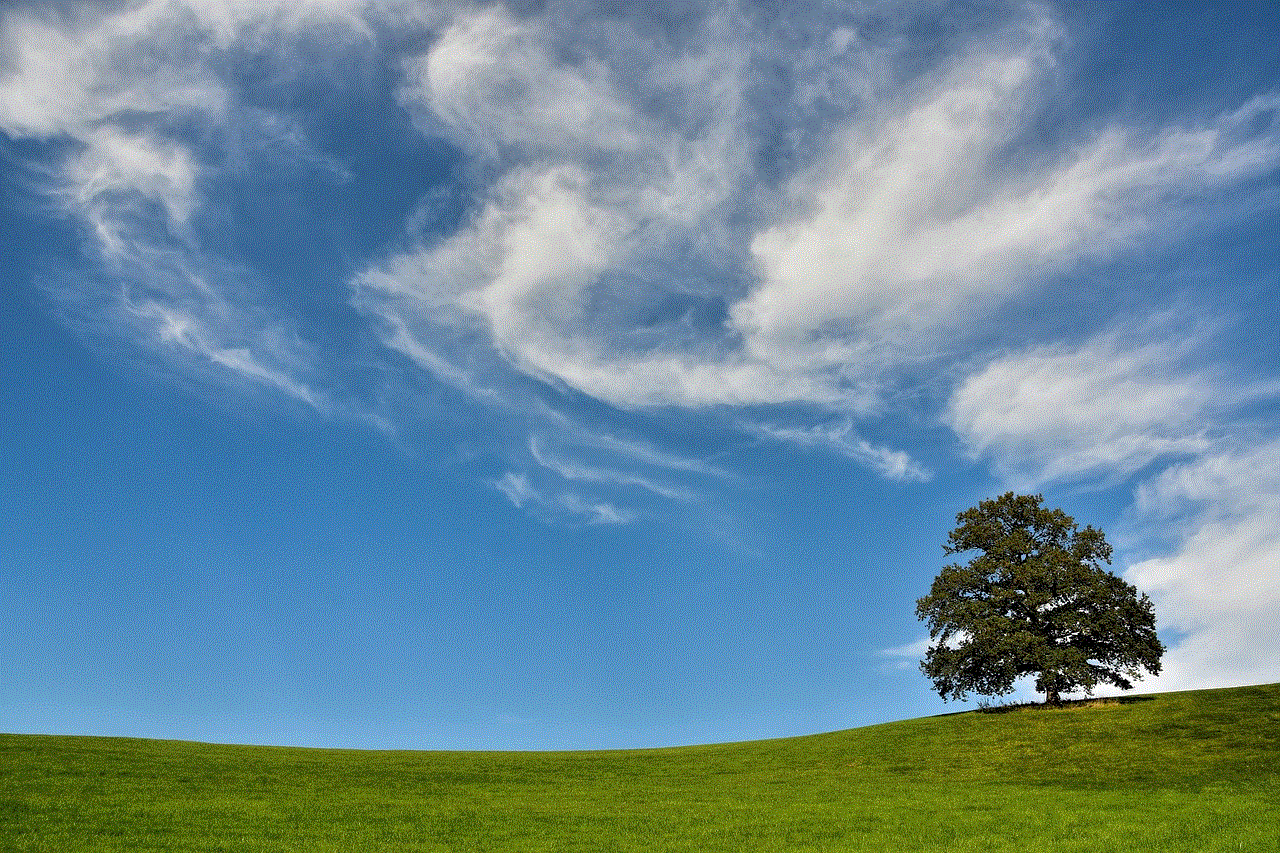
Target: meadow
x=1192 y=771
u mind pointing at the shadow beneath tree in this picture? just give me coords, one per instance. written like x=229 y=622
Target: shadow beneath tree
x=1064 y=705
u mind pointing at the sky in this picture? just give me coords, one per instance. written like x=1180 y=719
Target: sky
x=567 y=375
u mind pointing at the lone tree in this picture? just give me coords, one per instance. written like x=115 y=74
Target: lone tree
x=1034 y=601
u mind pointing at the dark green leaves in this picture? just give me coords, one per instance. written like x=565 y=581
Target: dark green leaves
x=1035 y=601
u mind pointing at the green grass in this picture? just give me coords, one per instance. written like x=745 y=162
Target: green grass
x=1170 y=772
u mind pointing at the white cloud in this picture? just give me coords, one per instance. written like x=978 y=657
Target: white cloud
x=67 y=77
x=517 y=489
x=492 y=82
x=230 y=19
x=906 y=656
x=634 y=451
x=1218 y=587
x=842 y=439
x=129 y=87
x=596 y=512
x=907 y=208
x=913 y=224
x=1098 y=410
x=593 y=186
x=904 y=213
x=559 y=504
x=571 y=470
x=190 y=334
x=116 y=171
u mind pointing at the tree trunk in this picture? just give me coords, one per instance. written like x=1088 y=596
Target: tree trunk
x=1051 y=696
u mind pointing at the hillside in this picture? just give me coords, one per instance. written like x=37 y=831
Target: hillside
x=1175 y=771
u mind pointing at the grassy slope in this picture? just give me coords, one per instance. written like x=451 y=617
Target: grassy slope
x=1177 y=771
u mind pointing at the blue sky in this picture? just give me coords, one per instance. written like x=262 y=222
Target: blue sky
x=568 y=376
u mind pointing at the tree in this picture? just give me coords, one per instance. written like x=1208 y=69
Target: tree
x=1035 y=601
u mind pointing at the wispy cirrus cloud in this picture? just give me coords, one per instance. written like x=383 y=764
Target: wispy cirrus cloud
x=906 y=656
x=572 y=470
x=636 y=452
x=140 y=95
x=842 y=439
x=558 y=504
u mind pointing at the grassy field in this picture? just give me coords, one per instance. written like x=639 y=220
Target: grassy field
x=1171 y=772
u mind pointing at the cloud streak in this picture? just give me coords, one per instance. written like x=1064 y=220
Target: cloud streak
x=841 y=439
x=559 y=505
x=570 y=470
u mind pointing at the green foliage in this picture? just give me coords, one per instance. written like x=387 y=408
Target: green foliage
x=1035 y=601
x=1193 y=772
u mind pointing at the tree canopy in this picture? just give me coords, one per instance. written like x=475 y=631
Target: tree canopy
x=1035 y=601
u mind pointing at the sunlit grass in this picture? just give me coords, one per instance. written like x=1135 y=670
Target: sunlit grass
x=1178 y=771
